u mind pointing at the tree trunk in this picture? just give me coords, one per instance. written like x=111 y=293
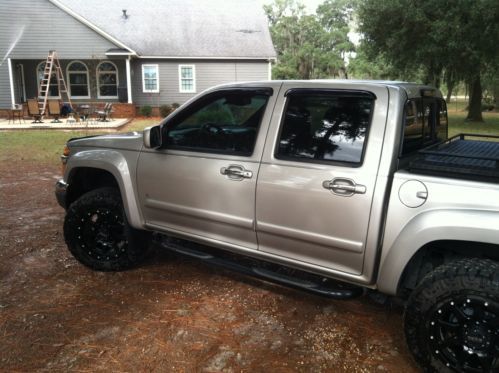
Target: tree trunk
x=450 y=87
x=475 y=106
x=450 y=83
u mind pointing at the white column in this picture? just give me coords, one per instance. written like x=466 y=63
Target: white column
x=269 y=76
x=129 y=80
x=11 y=80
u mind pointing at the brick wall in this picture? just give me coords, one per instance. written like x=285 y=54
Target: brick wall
x=121 y=110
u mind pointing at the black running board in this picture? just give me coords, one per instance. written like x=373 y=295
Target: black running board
x=315 y=287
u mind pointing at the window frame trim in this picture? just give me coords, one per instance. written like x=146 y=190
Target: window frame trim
x=38 y=84
x=193 y=79
x=97 y=72
x=144 y=90
x=324 y=91
x=69 y=72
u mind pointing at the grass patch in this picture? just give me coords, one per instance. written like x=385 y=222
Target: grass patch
x=45 y=146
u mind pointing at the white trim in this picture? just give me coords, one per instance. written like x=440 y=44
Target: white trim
x=69 y=72
x=90 y=25
x=107 y=72
x=128 y=80
x=120 y=54
x=269 y=74
x=144 y=90
x=209 y=58
x=193 y=78
x=38 y=83
x=11 y=83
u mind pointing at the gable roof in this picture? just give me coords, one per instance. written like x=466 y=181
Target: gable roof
x=180 y=28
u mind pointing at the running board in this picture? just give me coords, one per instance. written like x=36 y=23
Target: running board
x=340 y=291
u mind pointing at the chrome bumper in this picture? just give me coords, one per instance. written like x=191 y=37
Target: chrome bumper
x=60 y=192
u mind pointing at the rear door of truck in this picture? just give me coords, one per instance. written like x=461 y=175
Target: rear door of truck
x=318 y=174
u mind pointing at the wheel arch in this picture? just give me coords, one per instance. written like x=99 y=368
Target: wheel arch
x=87 y=171
x=433 y=238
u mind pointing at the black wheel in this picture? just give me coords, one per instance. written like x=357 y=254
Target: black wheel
x=452 y=318
x=98 y=235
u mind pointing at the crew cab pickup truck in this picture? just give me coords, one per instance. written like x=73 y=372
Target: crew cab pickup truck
x=305 y=182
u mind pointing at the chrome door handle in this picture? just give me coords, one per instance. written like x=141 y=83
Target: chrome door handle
x=236 y=172
x=344 y=187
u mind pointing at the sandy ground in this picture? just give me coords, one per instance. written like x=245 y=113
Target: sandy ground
x=172 y=314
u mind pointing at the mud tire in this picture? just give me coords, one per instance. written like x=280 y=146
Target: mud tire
x=452 y=318
x=98 y=235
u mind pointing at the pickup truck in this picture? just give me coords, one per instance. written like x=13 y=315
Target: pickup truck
x=334 y=187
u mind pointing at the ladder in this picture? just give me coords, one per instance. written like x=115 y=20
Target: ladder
x=51 y=65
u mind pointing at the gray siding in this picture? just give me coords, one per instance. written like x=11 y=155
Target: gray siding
x=39 y=26
x=5 y=101
x=30 y=28
x=208 y=74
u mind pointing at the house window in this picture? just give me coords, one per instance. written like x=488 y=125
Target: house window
x=53 y=87
x=107 y=80
x=78 y=80
x=150 y=82
x=187 y=78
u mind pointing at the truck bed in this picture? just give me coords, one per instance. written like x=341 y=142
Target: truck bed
x=467 y=156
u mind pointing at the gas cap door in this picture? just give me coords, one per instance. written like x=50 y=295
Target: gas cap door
x=413 y=193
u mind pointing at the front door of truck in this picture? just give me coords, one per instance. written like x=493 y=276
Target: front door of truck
x=318 y=175
x=202 y=183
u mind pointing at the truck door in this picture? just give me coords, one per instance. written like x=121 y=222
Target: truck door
x=318 y=174
x=202 y=183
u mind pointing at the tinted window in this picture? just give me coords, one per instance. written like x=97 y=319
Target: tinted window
x=425 y=122
x=325 y=127
x=227 y=123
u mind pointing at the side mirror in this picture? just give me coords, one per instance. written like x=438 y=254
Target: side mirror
x=152 y=137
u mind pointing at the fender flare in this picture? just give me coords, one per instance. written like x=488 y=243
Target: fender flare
x=115 y=163
x=429 y=226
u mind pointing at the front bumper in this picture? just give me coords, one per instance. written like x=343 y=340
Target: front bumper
x=61 y=188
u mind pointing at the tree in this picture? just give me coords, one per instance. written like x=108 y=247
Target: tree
x=456 y=37
x=310 y=46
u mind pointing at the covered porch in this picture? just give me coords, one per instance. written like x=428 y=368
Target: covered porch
x=91 y=84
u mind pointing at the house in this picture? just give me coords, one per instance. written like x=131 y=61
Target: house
x=131 y=52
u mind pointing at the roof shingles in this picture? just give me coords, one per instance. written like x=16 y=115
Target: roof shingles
x=182 y=28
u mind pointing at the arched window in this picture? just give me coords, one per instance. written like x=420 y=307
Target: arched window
x=53 y=87
x=78 y=80
x=107 y=80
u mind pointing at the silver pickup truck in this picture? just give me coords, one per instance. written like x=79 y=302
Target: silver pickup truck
x=334 y=187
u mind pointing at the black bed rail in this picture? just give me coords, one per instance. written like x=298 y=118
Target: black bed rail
x=465 y=155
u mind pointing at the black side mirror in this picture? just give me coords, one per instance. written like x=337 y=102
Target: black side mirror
x=152 y=137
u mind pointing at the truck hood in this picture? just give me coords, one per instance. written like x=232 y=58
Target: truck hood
x=127 y=141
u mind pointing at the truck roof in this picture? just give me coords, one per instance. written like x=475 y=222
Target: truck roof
x=412 y=89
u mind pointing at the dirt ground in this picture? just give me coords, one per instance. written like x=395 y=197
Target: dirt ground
x=172 y=314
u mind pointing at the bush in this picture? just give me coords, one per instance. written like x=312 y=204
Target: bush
x=175 y=106
x=146 y=111
x=165 y=110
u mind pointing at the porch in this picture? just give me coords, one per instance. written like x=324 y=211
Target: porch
x=90 y=83
x=65 y=123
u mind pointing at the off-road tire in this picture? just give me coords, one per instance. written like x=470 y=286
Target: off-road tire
x=452 y=318
x=97 y=232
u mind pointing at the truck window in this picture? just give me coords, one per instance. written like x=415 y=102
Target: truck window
x=226 y=123
x=325 y=127
x=425 y=123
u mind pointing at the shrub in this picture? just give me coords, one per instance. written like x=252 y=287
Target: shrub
x=146 y=111
x=175 y=106
x=165 y=110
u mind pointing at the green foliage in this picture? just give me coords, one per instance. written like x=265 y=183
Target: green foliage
x=310 y=46
x=165 y=110
x=145 y=111
x=451 y=39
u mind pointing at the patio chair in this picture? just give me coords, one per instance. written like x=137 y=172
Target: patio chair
x=104 y=114
x=34 y=110
x=54 y=110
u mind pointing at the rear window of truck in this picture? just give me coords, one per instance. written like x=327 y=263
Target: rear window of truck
x=425 y=123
